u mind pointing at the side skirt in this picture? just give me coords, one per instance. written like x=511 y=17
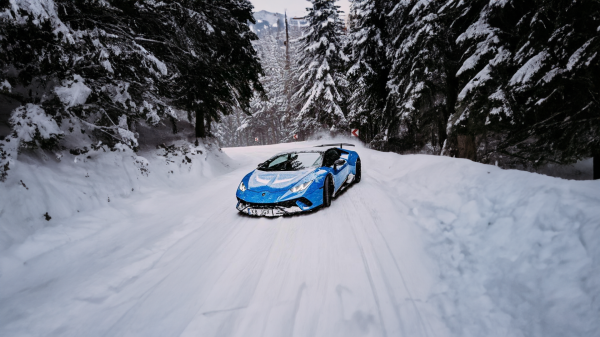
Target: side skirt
x=349 y=180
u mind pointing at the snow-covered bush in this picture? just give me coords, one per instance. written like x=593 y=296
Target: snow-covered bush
x=104 y=69
x=34 y=128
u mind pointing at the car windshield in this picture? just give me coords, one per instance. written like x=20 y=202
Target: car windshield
x=292 y=161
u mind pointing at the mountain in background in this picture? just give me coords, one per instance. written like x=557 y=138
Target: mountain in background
x=269 y=23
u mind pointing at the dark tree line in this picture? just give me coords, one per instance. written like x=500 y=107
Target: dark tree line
x=513 y=81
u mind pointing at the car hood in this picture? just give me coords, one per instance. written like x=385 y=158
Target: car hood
x=275 y=180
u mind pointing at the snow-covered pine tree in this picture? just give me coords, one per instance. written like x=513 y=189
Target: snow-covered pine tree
x=233 y=66
x=422 y=80
x=321 y=67
x=271 y=116
x=265 y=121
x=89 y=71
x=556 y=84
x=527 y=86
x=486 y=46
x=220 y=71
x=369 y=66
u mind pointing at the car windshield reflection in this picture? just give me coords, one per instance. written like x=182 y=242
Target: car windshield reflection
x=295 y=161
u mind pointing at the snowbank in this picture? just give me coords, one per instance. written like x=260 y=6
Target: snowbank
x=518 y=252
x=423 y=246
x=42 y=188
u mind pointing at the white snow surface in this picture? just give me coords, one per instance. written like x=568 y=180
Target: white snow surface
x=423 y=246
x=73 y=92
x=5 y=86
x=30 y=119
x=529 y=69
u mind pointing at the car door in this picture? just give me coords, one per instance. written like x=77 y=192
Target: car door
x=345 y=169
x=329 y=159
x=340 y=174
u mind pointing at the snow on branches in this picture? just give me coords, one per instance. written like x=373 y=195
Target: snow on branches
x=321 y=67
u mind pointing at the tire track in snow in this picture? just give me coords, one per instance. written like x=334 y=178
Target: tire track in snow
x=367 y=269
x=373 y=222
x=129 y=317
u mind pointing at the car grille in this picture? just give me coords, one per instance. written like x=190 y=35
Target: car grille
x=285 y=204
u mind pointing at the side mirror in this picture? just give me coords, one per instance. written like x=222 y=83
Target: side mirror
x=339 y=162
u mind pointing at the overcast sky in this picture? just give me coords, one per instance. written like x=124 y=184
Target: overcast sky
x=294 y=7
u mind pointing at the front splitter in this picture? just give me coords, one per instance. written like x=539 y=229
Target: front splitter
x=266 y=210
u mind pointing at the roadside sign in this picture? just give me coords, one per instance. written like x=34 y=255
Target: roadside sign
x=355 y=132
x=295 y=136
x=256 y=139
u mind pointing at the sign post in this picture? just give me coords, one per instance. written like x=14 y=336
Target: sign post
x=296 y=137
x=256 y=139
x=355 y=132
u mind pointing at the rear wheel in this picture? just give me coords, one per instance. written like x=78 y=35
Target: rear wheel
x=358 y=174
x=327 y=191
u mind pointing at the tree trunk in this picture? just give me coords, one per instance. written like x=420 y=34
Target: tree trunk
x=208 y=124
x=466 y=147
x=596 y=166
x=287 y=44
x=200 y=131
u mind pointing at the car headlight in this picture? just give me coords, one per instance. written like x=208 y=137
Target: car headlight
x=301 y=187
x=242 y=186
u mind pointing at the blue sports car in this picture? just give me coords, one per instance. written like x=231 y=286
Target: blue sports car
x=298 y=181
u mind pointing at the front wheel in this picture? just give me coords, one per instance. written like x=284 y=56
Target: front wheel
x=327 y=191
x=358 y=175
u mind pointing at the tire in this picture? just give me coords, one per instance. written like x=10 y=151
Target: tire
x=358 y=175
x=327 y=191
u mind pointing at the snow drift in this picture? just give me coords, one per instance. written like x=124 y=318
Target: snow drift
x=423 y=246
x=518 y=252
x=44 y=188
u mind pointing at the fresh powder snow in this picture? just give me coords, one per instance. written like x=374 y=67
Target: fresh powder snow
x=141 y=245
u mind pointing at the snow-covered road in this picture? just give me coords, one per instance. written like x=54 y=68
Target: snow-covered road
x=185 y=263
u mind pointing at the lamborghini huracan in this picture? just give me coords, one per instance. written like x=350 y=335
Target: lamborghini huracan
x=298 y=180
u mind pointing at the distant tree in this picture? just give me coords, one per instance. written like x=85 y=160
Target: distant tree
x=321 y=69
x=369 y=66
x=271 y=116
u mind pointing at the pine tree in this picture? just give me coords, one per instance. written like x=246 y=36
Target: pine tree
x=96 y=69
x=321 y=68
x=485 y=44
x=271 y=116
x=422 y=81
x=528 y=92
x=369 y=70
x=221 y=70
x=267 y=113
x=556 y=85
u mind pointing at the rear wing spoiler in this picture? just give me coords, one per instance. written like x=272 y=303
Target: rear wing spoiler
x=336 y=144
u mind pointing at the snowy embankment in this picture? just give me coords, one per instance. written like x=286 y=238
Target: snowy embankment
x=43 y=189
x=518 y=252
x=423 y=246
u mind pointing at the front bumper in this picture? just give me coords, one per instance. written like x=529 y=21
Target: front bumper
x=274 y=209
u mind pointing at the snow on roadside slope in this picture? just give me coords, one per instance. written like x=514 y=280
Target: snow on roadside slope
x=519 y=253
x=63 y=184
